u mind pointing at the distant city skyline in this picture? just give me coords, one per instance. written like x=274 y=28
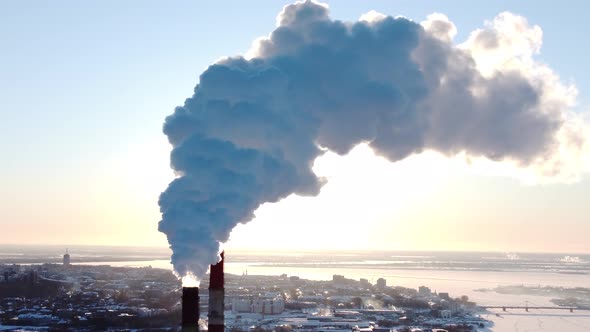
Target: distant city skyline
x=86 y=89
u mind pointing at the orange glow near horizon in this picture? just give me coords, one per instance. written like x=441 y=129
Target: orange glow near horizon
x=424 y=202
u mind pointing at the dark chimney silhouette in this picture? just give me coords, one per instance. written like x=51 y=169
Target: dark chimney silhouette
x=216 y=297
x=190 y=309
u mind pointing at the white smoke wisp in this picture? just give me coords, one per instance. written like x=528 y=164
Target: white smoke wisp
x=190 y=280
x=254 y=126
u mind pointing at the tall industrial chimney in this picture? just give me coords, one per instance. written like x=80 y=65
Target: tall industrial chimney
x=216 y=297
x=190 y=309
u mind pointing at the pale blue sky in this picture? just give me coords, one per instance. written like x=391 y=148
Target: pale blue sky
x=85 y=87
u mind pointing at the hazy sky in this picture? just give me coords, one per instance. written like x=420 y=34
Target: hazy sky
x=85 y=88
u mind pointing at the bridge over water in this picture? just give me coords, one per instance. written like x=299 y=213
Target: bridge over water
x=528 y=307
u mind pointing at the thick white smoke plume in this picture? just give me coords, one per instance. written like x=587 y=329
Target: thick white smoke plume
x=255 y=125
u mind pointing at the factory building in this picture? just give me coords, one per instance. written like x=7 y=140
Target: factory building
x=258 y=305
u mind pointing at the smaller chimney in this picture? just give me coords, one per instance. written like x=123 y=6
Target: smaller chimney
x=216 y=297
x=190 y=309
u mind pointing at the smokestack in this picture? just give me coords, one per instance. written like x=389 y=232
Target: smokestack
x=190 y=309
x=216 y=297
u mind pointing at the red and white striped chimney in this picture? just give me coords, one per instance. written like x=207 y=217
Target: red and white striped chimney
x=216 y=297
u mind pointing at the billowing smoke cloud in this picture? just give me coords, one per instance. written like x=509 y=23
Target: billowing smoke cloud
x=254 y=126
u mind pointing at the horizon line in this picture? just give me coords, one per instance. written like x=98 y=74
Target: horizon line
x=279 y=250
